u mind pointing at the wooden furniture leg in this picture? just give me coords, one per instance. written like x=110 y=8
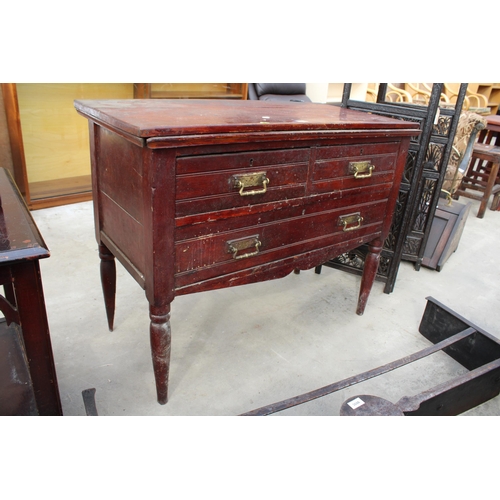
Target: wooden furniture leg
x=369 y=273
x=487 y=191
x=35 y=330
x=108 y=282
x=495 y=203
x=160 y=337
x=481 y=176
x=9 y=293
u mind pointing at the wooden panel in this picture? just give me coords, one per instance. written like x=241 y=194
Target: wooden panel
x=55 y=138
x=15 y=137
x=63 y=187
x=5 y=152
x=247 y=159
x=197 y=90
x=447 y=227
x=117 y=154
x=124 y=231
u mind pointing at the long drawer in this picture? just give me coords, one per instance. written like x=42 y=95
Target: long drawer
x=205 y=257
x=199 y=225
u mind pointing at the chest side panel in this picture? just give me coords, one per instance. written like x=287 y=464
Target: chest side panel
x=120 y=181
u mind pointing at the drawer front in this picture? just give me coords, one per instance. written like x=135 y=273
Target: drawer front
x=217 y=182
x=203 y=258
x=349 y=167
x=196 y=226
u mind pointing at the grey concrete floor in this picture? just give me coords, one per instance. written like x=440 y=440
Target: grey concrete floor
x=237 y=349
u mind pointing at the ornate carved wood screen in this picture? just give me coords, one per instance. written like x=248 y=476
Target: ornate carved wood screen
x=421 y=184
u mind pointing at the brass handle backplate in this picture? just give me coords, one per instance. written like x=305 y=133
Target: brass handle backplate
x=361 y=169
x=347 y=220
x=235 y=246
x=243 y=181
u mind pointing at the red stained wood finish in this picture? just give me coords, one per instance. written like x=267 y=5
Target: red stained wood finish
x=23 y=303
x=168 y=206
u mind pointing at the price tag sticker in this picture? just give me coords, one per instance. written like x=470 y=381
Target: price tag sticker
x=356 y=403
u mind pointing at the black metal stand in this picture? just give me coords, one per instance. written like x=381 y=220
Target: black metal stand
x=421 y=184
x=469 y=345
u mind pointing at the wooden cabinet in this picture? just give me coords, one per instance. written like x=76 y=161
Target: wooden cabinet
x=46 y=146
x=197 y=195
x=190 y=90
x=49 y=145
x=447 y=228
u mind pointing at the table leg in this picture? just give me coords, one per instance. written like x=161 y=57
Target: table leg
x=108 y=282
x=487 y=192
x=35 y=330
x=160 y=337
x=369 y=273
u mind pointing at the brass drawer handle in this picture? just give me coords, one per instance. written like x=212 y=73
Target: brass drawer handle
x=250 y=180
x=347 y=220
x=361 y=169
x=236 y=246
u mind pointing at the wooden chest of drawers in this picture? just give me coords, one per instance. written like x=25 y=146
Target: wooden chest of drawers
x=197 y=195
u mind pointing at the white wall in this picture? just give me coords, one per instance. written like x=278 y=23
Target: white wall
x=332 y=92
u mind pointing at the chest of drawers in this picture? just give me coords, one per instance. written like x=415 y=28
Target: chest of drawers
x=195 y=195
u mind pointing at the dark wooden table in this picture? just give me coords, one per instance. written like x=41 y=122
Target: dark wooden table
x=195 y=195
x=493 y=123
x=482 y=178
x=21 y=248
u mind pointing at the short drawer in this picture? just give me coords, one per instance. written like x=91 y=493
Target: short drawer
x=264 y=243
x=348 y=167
x=235 y=180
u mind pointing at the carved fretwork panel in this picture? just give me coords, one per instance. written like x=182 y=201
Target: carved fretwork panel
x=443 y=126
x=354 y=259
x=412 y=245
x=384 y=265
x=392 y=238
x=424 y=202
x=434 y=157
x=409 y=166
x=421 y=182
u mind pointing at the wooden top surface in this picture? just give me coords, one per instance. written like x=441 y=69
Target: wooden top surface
x=490 y=150
x=493 y=120
x=173 y=117
x=19 y=236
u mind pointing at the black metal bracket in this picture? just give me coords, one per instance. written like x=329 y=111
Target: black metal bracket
x=89 y=402
x=466 y=343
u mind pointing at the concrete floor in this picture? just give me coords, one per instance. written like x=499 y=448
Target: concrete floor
x=237 y=349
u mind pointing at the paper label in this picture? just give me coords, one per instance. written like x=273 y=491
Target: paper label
x=356 y=403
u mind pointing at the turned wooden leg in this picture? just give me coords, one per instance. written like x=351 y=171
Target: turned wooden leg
x=369 y=273
x=160 y=349
x=108 y=282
